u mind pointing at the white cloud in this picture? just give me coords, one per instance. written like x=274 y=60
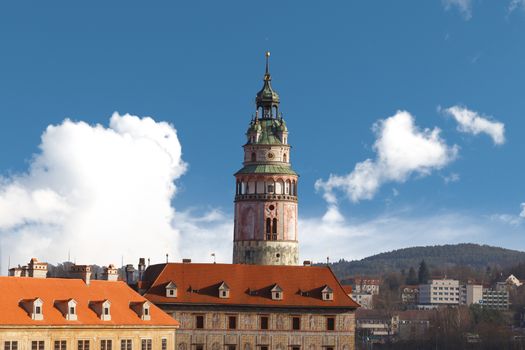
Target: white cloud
x=402 y=149
x=473 y=123
x=453 y=177
x=464 y=7
x=359 y=238
x=515 y=4
x=522 y=213
x=509 y=219
x=99 y=192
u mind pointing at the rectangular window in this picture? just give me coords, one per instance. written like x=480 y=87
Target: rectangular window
x=296 y=348
x=232 y=322
x=11 y=345
x=106 y=344
x=264 y=322
x=330 y=323
x=37 y=345
x=83 y=345
x=231 y=347
x=145 y=344
x=125 y=344
x=72 y=310
x=199 y=347
x=37 y=310
x=60 y=345
x=199 y=321
x=264 y=348
x=164 y=344
x=296 y=323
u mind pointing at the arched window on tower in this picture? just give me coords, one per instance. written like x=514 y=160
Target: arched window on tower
x=285 y=157
x=274 y=229
x=287 y=187
x=254 y=157
x=268 y=228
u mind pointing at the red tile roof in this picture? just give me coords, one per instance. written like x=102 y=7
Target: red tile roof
x=52 y=290
x=249 y=285
x=347 y=288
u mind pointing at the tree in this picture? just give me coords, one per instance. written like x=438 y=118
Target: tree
x=412 y=277
x=423 y=273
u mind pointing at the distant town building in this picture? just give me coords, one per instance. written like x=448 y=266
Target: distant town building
x=251 y=307
x=375 y=326
x=61 y=314
x=413 y=324
x=471 y=294
x=366 y=285
x=495 y=299
x=34 y=268
x=366 y=300
x=410 y=294
x=439 y=292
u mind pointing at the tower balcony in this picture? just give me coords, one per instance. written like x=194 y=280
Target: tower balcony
x=265 y=196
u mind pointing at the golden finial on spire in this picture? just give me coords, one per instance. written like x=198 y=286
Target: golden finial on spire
x=267 y=62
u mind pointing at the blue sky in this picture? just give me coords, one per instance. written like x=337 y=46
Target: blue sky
x=339 y=67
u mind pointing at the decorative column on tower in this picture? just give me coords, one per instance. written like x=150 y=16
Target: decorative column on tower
x=265 y=230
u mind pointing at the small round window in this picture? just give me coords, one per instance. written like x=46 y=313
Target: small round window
x=271 y=207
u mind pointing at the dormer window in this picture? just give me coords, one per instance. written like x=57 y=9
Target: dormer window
x=71 y=310
x=102 y=309
x=171 y=290
x=224 y=291
x=277 y=292
x=68 y=308
x=142 y=309
x=35 y=308
x=327 y=293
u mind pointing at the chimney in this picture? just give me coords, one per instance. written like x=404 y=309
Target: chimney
x=307 y=263
x=110 y=273
x=130 y=274
x=82 y=272
x=186 y=261
x=142 y=268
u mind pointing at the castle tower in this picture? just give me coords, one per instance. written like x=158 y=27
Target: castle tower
x=265 y=230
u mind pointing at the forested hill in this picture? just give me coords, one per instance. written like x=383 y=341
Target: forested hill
x=440 y=257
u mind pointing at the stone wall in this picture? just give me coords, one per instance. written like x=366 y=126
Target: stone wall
x=71 y=334
x=266 y=252
x=248 y=335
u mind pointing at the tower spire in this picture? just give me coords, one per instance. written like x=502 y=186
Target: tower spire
x=267 y=99
x=267 y=73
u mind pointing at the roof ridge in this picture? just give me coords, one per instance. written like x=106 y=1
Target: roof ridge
x=158 y=276
x=340 y=285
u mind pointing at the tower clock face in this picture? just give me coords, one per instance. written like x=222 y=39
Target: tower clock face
x=270 y=155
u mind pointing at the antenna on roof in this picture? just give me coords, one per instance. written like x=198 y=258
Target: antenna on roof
x=214 y=261
x=327 y=260
x=166 y=258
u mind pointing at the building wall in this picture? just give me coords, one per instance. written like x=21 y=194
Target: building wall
x=471 y=294
x=439 y=292
x=312 y=335
x=72 y=334
x=495 y=299
x=266 y=252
